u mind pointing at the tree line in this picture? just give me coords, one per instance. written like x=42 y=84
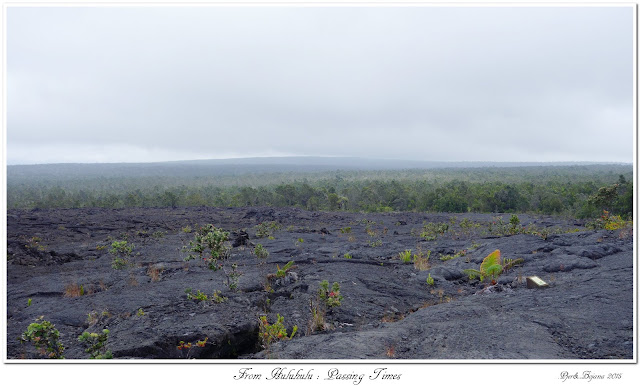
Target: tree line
x=580 y=191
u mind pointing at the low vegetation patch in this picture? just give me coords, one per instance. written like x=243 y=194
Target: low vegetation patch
x=260 y=252
x=609 y=222
x=45 y=337
x=267 y=229
x=154 y=272
x=331 y=297
x=185 y=348
x=270 y=333
x=121 y=250
x=460 y=253
x=34 y=243
x=199 y=295
x=233 y=276
x=210 y=245
x=73 y=290
x=431 y=230
x=95 y=344
x=421 y=260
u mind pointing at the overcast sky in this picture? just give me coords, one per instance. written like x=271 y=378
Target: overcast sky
x=422 y=83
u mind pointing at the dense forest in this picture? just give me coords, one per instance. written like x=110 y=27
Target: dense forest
x=581 y=191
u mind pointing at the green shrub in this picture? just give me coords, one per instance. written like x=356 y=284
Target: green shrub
x=608 y=222
x=376 y=243
x=217 y=297
x=45 y=337
x=270 y=333
x=498 y=227
x=431 y=230
x=332 y=297
x=260 y=252
x=466 y=224
x=119 y=263
x=121 y=250
x=200 y=296
x=96 y=344
x=266 y=229
x=514 y=225
x=212 y=239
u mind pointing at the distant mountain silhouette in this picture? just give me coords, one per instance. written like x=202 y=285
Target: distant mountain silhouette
x=237 y=166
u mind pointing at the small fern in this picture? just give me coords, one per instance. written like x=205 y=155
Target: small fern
x=490 y=267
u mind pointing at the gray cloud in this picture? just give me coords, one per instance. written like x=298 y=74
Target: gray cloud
x=433 y=83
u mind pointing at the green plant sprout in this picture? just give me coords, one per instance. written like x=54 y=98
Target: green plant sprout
x=430 y=280
x=405 y=256
x=232 y=277
x=282 y=272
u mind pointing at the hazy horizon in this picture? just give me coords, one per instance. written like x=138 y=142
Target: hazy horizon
x=246 y=160
x=434 y=84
